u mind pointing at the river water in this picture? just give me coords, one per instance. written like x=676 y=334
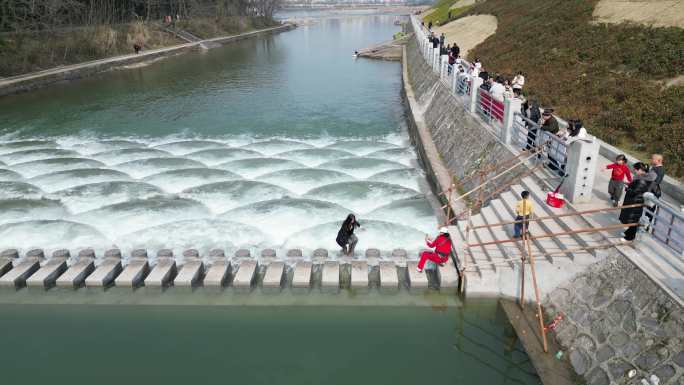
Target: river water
x=268 y=142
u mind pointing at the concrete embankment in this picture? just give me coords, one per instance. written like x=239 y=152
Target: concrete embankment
x=27 y=82
x=450 y=141
x=242 y=273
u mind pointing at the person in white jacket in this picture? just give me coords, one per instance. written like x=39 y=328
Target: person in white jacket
x=518 y=81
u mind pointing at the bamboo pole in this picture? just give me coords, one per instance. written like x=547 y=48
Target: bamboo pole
x=536 y=219
x=591 y=230
x=506 y=261
x=537 y=295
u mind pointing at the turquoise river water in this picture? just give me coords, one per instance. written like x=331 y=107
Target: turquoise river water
x=268 y=142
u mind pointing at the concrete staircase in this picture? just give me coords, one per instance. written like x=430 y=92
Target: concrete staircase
x=494 y=270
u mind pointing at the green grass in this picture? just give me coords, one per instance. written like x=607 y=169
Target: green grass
x=604 y=74
x=440 y=15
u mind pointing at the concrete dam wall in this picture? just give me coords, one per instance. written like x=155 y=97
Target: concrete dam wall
x=241 y=272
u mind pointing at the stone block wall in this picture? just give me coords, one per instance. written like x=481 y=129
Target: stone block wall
x=617 y=320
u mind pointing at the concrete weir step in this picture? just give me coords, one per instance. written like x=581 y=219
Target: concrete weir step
x=448 y=276
x=389 y=279
x=416 y=280
x=301 y=277
x=244 y=278
x=106 y=271
x=162 y=273
x=16 y=278
x=330 y=281
x=135 y=271
x=76 y=274
x=217 y=273
x=190 y=273
x=47 y=275
x=273 y=280
x=359 y=275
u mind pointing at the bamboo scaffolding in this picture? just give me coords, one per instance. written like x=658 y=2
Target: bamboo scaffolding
x=592 y=230
x=507 y=261
x=536 y=219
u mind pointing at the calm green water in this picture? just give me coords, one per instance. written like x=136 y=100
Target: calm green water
x=260 y=345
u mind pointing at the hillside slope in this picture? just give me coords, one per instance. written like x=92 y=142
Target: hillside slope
x=611 y=76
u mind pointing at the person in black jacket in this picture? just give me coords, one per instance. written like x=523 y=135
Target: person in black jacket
x=345 y=237
x=642 y=183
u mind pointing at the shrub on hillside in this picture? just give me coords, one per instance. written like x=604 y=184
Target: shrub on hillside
x=605 y=74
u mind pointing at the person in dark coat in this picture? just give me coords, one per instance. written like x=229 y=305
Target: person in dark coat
x=642 y=183
x=345 y=237
x=455 y=50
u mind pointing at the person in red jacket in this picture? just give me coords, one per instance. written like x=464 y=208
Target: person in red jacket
x=442 y=245
x=617 y=178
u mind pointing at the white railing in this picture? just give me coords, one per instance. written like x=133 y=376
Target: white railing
x=665 y=224
x=527 y=135
x=505 y=119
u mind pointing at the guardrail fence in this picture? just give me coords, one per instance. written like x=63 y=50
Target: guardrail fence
x=664 y=223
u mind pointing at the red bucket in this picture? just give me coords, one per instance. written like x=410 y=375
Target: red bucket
x=555 y=199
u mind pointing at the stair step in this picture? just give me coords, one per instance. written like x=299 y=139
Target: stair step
x=569 y=223
x=560 y=242
x=500 y=233
x=488 y=253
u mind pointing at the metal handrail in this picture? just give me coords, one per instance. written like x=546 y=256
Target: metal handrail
x=665 y=223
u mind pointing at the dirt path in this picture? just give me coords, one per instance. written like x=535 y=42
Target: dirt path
x=657 y=13
x=468 y=31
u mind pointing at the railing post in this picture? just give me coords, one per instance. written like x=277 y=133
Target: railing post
x=444 y=59
x=511 y=106
x=435 y=60
x=580 y=169
x=475 y=83
x=454 y=80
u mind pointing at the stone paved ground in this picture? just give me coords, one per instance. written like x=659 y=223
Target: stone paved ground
x=617 y=320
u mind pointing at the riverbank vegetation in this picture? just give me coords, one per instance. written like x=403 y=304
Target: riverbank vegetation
x=612 y=76
x=36 y=35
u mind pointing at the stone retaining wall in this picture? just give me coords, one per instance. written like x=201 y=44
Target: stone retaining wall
x=617 y=319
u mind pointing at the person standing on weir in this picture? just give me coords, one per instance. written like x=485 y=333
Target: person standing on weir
x=442 y=245
x=345 y=237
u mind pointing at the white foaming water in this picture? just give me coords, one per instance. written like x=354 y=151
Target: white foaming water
x=383 y=235
x=284 y=217
x=227 y=193
x=46 y=166
x=214 y=157
x=175 y=181
x=313 y=157
x=255 y=167
x=71 y=178
x=185 y=147
x=361 y=196
x=18 y=210
x=93 y=196
x=361 y=167
x=302 y=180
x=409 y=177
